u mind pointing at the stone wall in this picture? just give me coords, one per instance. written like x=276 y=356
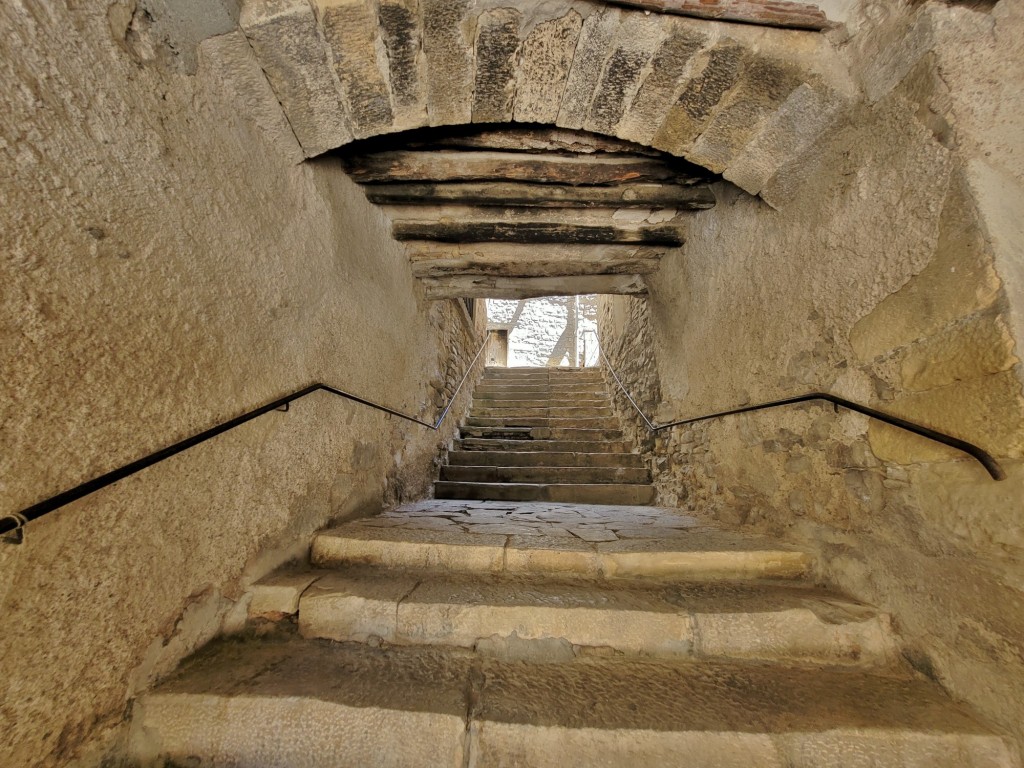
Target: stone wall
x=891 y=277
x=168 y=265
x=551 y=331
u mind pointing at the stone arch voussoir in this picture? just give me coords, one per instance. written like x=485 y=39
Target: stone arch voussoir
x=742 y=101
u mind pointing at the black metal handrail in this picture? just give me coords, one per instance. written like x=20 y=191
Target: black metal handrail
x=16 y=520
x=983 y=457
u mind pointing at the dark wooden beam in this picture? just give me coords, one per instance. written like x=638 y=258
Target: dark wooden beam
x=536 y=139
x=472 y=287
x=535 y=232
x=451 y=165
x=497 y=193
x=770 y=13
x=520 y=260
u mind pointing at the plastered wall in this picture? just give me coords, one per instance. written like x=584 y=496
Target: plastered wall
x=892 y=277
x=167 y=264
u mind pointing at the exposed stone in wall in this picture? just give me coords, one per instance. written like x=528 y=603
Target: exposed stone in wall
x=552 y=331
x=168 y=266
x=880 y=280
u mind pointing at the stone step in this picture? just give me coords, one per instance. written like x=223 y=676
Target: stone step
x=559 y=374
x=599 y=423
x=592 y=493
x=501 y=458
x=542 y=374
x=552 y=388
x=491 y=402
x=501 y=542
x=514 y=409
x=555 y=394
x=537 y=446
x=546 y=474
x=287 y=701
x=567 y=619
x=541 y=433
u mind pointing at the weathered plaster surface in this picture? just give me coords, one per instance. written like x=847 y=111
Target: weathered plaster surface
x=891 y=276
x=167 y=266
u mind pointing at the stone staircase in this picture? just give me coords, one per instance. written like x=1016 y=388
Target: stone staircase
x=544 y=434
x=480 y=633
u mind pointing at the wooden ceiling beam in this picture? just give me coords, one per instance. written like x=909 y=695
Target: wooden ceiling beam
x=472 y=287
x=498 y=193
x=768 y=13
x=451 y=165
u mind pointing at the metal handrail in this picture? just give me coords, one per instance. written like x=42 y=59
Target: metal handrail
x=983 y=457
x=17 y=520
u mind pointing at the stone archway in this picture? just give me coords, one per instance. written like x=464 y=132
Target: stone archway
x=742 y=101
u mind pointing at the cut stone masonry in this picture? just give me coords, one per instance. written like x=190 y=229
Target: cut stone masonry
x=526 y=632
x=618 y=71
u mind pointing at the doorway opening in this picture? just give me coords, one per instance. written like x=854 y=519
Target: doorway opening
x=546 y=332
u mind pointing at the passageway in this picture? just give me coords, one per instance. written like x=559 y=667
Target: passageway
x=279 y=488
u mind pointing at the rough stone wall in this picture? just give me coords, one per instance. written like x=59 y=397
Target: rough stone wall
x=166 y=266
x=544 y=331
x=892 y=277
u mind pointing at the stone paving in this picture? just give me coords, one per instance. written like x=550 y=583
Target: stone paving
x=594 y=523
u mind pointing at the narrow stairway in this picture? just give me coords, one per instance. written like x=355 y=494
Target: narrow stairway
x=544 y=434
x=479 y=634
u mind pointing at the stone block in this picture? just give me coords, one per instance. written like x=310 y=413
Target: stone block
x=349 y=28
x=409 y=549
x=892 y=62
x=658 y=91
x=987 y=411
x=402 y=36
x=960 y=280
x=801 y=119
x=763 y=88
x=285 y=36
x=239 y=73
x=545 y=57
x=497 y=48
x=592 y=49
x=698 y=99
x=636 y=40
x=979 y=345
x=350 y=608
x=448 y=34
x=277 y=594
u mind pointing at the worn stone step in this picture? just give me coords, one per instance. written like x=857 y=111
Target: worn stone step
x=503 y=458
x=288 y=701
x=560 y=374
x=555 y=395
x=516 y=409
x=537 y=446
x=541 y=433
x=551 y=388
x=532 y=371
x=565 y=422
x=546 y=474
x=594 y=493
x=520 y=538
x=489 y=402
x=566 y=619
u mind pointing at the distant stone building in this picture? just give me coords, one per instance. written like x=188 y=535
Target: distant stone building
x=549 y=331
